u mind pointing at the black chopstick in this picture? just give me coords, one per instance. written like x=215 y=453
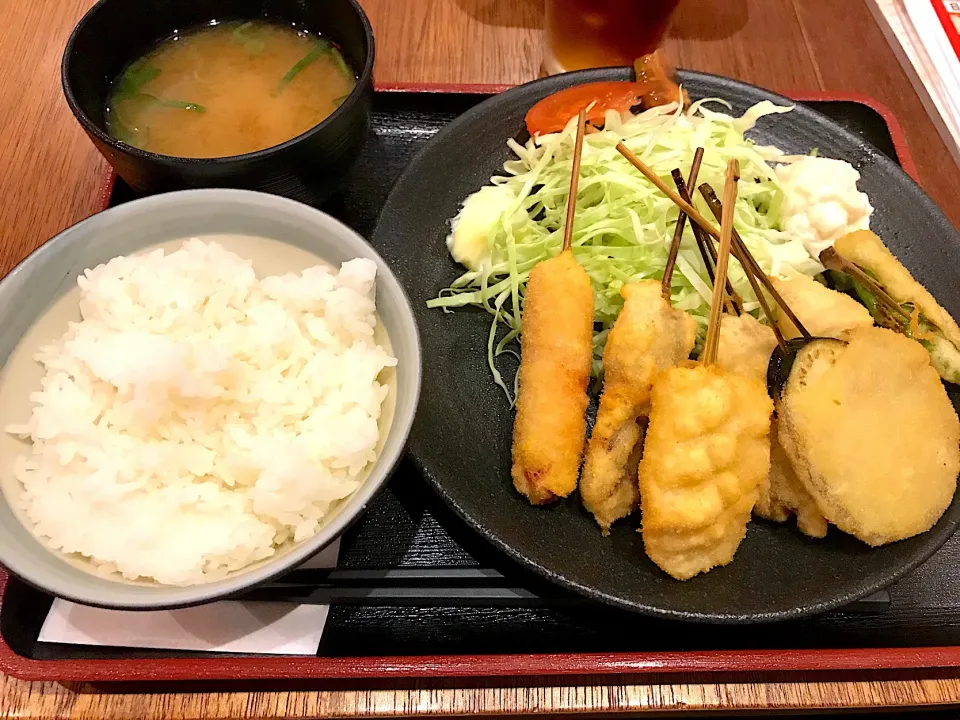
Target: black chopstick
x=406 y=586
x=439 y=587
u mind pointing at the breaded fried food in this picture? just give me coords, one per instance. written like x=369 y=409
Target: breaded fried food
x=649 y=335
x=687 y=553
x=745 y=347
x=823 y=312
x=556 y=356
x=785 y=495
x=938 y=329
x=872 y=435
x=707 y=452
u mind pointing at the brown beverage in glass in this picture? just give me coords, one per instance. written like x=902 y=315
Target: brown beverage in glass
x=599 y=33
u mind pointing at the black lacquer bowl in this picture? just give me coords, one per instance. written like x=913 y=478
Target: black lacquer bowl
x=462 y=434
x=308 y=167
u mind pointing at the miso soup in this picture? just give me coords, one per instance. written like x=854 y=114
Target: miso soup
x=228 y=89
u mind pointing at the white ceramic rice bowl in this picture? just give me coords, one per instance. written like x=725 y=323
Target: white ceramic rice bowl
x=28 y=291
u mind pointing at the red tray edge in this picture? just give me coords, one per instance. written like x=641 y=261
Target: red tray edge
x=436 y=666
x=893 y=124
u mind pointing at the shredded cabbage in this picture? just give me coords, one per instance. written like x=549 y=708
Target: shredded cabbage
x=623 y=224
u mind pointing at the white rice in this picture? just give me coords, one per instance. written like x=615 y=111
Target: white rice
x=197 y=418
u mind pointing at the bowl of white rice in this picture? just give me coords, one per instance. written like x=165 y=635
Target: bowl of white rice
x=198 y=392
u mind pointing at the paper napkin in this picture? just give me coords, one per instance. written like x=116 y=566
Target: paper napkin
x=229 y=626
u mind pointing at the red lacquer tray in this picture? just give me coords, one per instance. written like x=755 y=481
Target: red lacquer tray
x=918 y=622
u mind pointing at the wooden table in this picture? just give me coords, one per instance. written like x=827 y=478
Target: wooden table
x=50 y=176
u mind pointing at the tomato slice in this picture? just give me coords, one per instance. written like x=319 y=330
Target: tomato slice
x=553 y=112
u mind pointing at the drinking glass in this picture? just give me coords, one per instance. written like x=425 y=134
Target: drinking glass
x=599 y=33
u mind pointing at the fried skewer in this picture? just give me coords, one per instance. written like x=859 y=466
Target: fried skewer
x=896 y=299
x=745 y=347
x=707 y=448
x=648 y=336
x=556 y=356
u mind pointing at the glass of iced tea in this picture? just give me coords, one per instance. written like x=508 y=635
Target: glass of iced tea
x=598 y=33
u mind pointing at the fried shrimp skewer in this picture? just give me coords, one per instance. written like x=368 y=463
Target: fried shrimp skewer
x=648 y=336
x=707 y=450
x=556 y=356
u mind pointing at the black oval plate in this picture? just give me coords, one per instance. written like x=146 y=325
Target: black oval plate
x=462 y=434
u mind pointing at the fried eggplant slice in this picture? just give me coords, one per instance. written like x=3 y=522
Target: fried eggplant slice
x=872 y=434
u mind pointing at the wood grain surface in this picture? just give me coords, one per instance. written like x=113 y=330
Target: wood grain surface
x=666 y=695
x=50 y=177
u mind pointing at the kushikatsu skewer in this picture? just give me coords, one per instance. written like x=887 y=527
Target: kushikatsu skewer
x=834 y=261
x=746 y=347
x=649 y=336
x=696 y=502
x=555 y=361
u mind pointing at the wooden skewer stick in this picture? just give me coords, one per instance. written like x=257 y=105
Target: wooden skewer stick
x=748 y=266
x=748 y=270
x=723 y=260
x=757 y=272
x=709 y=253
x=748 y=261
x=666 y=283
x=832 y=260
x=650 y=175
x=574 y=181
x=708 y=262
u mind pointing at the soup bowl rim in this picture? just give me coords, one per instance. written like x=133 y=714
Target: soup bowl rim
x=364 y=78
